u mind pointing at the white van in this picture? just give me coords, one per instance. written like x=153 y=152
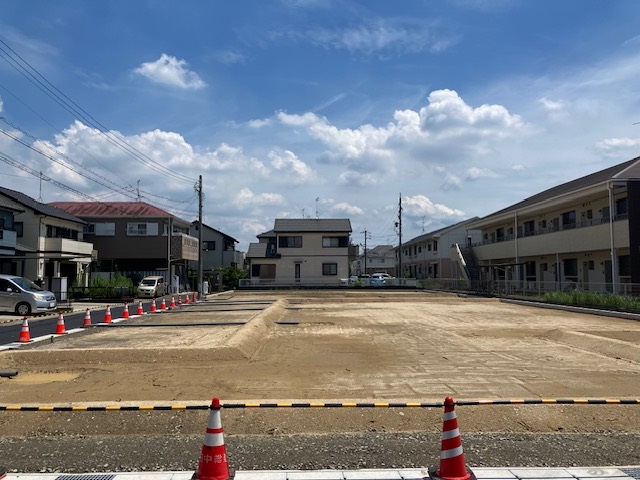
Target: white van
x=153 y=286
x=22 y=296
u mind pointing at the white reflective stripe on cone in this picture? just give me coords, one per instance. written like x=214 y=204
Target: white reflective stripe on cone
x=450 y=415
x=452 y=452
x=213 y=439
x=451 y=434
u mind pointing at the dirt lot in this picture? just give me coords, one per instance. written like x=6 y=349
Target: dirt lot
x=336 y=346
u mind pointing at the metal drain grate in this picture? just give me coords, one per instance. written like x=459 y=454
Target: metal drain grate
x=87 y=477
x=632 y=472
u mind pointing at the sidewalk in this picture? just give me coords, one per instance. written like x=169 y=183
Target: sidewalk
x=583 y=473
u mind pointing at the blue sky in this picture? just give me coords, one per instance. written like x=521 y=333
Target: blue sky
x=316 y=107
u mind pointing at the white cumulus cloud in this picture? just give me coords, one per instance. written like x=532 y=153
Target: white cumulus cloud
x=168 y=70
x=247 y=198
x=290 y=167
x=347 y=209
x=419 y=205
x=618 y=147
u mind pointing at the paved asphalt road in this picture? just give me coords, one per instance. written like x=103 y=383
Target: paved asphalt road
x=10 y=325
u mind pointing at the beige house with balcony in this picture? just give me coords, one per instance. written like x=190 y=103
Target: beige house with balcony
x=582 y=234
x=300 y=252
x=49 y=242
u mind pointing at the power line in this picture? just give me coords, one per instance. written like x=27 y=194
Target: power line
x=70 y=106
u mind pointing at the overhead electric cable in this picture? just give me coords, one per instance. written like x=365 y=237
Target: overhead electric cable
x=76 y=110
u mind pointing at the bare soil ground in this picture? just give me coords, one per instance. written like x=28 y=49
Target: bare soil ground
x=333 y=346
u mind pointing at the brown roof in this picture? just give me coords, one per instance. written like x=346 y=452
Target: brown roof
x=111 y=209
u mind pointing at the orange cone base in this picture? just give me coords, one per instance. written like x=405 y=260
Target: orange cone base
x=213 y=464
x=435 y=474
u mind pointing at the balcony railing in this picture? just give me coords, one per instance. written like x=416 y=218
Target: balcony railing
x=551 y=229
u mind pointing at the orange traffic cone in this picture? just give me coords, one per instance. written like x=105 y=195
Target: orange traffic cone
x=186 y=299
x=172 y=305
x=452 y=465
x=107 y=315
x=193 y=299
x=213 y=463
x=140 y=310
x=153 y=308
x=125 y=312
x=24 y=337
x=60 y=325
x=163 y=305
x=87 y=319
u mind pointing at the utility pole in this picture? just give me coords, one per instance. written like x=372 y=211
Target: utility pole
x=200 y=197
x=366 y=235
x=399 y=225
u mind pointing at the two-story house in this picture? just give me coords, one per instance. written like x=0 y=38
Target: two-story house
x=381 y=258
x=8 y=238
x=429 y=256
x=49 y=243
x=301 y=252
x=218 y=248
x=133 y=238
x=581 y=234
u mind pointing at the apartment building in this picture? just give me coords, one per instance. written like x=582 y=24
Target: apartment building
x=429 y=256
x=582 y=234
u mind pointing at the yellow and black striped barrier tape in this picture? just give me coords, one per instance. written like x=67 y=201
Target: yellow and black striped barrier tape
x=207 y=406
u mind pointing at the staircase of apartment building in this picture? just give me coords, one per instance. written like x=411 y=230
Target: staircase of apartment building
x=469 y=266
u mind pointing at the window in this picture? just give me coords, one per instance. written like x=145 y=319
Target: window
x=435 y=245
x=142 y=229
x=54 y=231
x=570 y=267
x=624 y=265
x=102 y=229
x=294 y=241
x=19 y=226
x=500 y=234
x=529 y=228
x=569 y=219
x=329 y=269
x=621 y=206
x=589 y=214
x=208 y=245
x=333 y=242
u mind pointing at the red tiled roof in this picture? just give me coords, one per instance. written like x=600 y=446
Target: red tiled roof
x=111 y=209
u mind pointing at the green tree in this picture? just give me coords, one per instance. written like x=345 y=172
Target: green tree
x=231 y=275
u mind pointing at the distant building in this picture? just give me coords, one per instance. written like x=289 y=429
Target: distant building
x=381 y=258
x=218 y=249
x=429 y=256
x=132 y=238
x=582 y=234
x=300 y=252
x=49 y=242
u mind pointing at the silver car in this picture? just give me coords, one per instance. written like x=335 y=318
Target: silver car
x=22 y=296
x=153 y=286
